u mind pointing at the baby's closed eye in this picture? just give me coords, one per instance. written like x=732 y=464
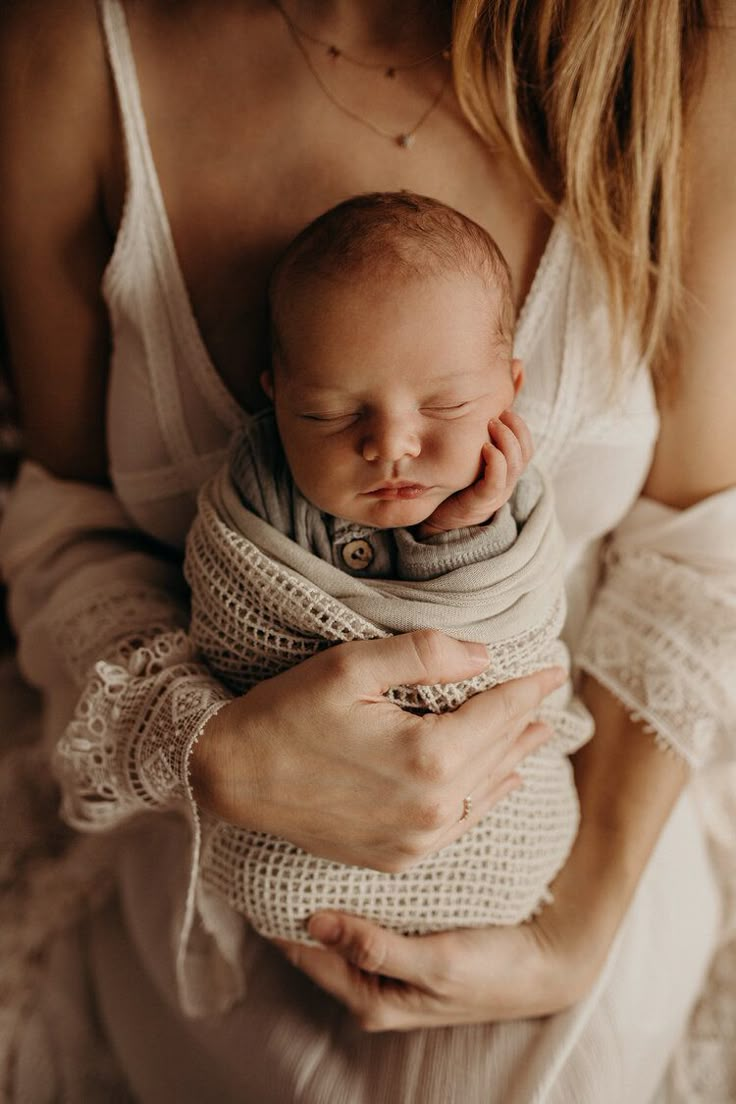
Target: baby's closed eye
x=446 y=408
x=331 y=419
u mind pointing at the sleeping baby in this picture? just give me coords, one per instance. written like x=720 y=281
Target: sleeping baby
x=389 y=489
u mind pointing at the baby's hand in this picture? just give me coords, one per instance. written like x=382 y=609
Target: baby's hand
x=503 y=459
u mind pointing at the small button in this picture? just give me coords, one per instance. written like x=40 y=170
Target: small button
x=357 y=555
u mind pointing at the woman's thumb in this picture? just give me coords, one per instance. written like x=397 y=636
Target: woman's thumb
x=367 y=946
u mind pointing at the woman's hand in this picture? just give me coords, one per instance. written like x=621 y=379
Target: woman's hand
x=627 y=788
x=394 y=982
x=318 y=756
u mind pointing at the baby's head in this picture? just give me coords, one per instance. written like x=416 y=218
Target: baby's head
x=392 y=327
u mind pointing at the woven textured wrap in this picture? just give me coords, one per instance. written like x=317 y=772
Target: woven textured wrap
x=258 y=607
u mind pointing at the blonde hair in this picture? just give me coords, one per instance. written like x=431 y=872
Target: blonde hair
x=591 y=100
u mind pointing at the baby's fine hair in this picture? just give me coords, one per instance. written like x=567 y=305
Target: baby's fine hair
x=394 y=233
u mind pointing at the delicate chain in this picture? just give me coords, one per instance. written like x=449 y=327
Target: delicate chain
x=337 y=51
x=405 y=139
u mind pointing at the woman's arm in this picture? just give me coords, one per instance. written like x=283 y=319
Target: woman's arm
x=72 y=557
x=627 y=783
x=58 y=129
x=627 y=787
x=101 y=617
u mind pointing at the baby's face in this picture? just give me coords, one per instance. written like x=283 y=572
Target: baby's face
x=385 y=393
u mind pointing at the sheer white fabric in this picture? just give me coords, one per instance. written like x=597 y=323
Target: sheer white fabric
x=662 y=633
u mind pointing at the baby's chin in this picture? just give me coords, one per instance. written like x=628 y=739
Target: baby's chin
x=391 y=513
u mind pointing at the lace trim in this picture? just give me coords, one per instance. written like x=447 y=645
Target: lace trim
x=127 y=748
x=662 y=638
x=100 y=627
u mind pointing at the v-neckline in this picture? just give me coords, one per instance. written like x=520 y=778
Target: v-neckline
x=210 y=379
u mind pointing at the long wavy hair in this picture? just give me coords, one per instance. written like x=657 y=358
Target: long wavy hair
x=591 y=98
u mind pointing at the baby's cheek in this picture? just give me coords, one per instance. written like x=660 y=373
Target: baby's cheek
x=468 y=462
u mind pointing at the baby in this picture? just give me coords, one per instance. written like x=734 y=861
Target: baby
x=387 y=491
x=389 y=391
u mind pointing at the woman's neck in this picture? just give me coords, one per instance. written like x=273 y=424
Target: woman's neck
x=406 y=28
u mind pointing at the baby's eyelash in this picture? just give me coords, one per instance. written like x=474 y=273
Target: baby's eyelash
x=453 y=406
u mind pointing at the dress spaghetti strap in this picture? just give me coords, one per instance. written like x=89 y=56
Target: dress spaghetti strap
x=122 y=63
x=150 y=310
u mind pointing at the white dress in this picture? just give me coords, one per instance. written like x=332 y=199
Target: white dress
x=267 y=1034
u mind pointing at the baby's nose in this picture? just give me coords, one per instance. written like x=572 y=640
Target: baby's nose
x=391 y=440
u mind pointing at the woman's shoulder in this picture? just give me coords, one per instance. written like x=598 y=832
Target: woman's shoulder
x=58 y=144
x=710 y=128
x=696 y=456
x=56 y=107
x=50 y=43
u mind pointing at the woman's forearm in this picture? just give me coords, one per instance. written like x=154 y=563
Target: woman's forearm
x=627 y=787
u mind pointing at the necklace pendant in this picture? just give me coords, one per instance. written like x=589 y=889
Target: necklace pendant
x=406 y=141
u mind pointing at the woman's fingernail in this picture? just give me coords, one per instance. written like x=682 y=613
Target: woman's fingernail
x=326 y=929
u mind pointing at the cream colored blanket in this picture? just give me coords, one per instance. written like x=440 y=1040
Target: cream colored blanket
x=261 y=603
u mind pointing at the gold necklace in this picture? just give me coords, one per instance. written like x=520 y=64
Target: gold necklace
x=404 y=139
x=336 y=52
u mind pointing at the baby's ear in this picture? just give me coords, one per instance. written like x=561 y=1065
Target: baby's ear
x=517 y=374
x=267 y=382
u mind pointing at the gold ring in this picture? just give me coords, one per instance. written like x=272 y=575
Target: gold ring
x=467 y=806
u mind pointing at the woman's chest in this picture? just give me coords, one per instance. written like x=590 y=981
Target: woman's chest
x=247 y=153
x=207 y=209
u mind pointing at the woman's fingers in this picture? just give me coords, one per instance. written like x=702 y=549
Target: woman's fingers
x=392 y=982
x=377 y=1003
x=416 y=658
x=364 y=946
x=473 y=753
x=500 y=709
x=367 y=946
x=347 y=775
x=531 y=739
x=483 y=791
x=509 y=784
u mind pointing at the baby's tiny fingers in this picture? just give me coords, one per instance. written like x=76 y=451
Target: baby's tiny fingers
x=493 y=482
x=521 y=431
x=506 y=443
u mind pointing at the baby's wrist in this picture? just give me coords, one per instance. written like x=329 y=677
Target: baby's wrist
x=427 y=529
x=431 y=528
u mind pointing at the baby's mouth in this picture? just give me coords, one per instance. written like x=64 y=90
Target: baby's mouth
x=400 y=489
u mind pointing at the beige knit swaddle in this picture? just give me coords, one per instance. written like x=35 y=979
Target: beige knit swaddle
x=261 y=603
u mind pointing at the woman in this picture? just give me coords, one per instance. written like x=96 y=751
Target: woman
x=222 y=128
